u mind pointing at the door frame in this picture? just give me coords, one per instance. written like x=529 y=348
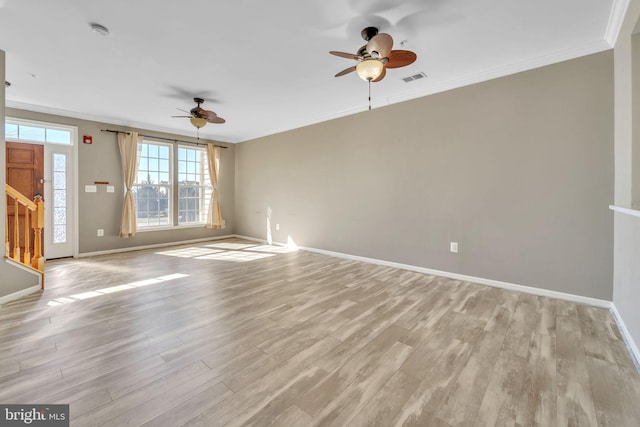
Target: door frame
x=75 y=227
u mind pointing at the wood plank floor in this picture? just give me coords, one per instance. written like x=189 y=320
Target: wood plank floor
x=233 y=333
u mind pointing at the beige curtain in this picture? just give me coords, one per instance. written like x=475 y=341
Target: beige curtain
x=214 y=216
x=128 y=144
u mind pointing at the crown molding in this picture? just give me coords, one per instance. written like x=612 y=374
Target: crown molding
x=617 y=15
x=469 y=79
x=111 y=121
x=507 y=69
x=618 y=11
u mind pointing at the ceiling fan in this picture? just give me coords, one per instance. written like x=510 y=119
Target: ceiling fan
x=199 y=117
x=375 y=57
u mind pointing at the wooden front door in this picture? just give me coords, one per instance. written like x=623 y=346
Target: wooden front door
x=25 y=173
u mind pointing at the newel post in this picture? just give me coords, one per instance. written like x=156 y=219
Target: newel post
x=37 y=261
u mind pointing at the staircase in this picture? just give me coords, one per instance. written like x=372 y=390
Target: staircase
x=27 y=220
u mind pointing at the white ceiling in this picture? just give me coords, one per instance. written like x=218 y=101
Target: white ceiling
x=264 y=65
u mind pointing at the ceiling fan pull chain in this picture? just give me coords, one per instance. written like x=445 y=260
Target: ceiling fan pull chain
x=369 y=94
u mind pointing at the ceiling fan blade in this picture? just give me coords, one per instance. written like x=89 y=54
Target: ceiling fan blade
x=344 y=55
x=184 y=111
x=211 y=116
x=346 y=71
x=384 y=73
x=380 y=45
x=188 y=117
x=400 y=58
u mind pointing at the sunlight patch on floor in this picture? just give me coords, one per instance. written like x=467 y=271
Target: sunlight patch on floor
x=230 y=245
x=273 y=249
x=229 y=251
x=113 y=289
x=189 y=252
x=236 y=256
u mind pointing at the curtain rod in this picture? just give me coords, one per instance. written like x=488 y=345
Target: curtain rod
x=163 y=138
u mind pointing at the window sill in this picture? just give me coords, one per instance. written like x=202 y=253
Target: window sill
x=627 y=211
x=170 y=227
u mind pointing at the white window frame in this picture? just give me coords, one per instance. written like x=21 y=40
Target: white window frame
x=170 y=189
x=73 y=207
x=73 y=130
x=204 y=189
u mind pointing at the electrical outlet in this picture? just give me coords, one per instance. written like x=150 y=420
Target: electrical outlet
x=453 y=247
x=277 y=227
x=100 y=232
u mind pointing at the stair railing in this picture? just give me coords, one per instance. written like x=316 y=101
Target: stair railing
x=33 y=210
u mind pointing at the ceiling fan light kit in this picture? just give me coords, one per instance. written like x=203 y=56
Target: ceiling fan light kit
x=375 y=57
x=199 y=117
x=369 y=69
x=198 y=122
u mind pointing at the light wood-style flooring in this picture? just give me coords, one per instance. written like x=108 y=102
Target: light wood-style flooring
x=230 y=333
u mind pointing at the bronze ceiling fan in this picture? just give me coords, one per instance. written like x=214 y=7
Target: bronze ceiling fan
x=376 y=56
x=199 y=117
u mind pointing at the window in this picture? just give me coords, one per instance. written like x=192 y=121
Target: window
x=59 y=187
x=160 y=180
x=152 y=189
x=14 y=129
x=194 y=186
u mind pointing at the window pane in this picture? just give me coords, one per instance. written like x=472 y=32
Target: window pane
x=60 y=198
x=31 y=133
x=59 y=162
x=59 y=180
x=153 y=186
x=10 y=130
x=59 y=216
x=58 y=136
x=193 y=191
x=59 y=233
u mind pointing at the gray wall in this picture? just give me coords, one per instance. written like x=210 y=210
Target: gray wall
x=626 y=292
x=12 y=279
x=635 y=131
x=518 y=170
x=100 y=161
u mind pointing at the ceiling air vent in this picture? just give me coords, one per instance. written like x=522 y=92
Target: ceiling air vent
x=414 y=77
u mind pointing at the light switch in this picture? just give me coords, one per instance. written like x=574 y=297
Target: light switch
x=90 y=189
x=111 y=189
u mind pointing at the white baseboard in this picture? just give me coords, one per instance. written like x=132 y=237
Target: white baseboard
x=633 y=348
x=626 y=336
x=263 y=241
x=480 y=280
x=157 y=245
x=20 y=294
x=631 y=345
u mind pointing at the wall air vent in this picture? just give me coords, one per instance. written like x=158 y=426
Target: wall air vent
x=414 y=77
